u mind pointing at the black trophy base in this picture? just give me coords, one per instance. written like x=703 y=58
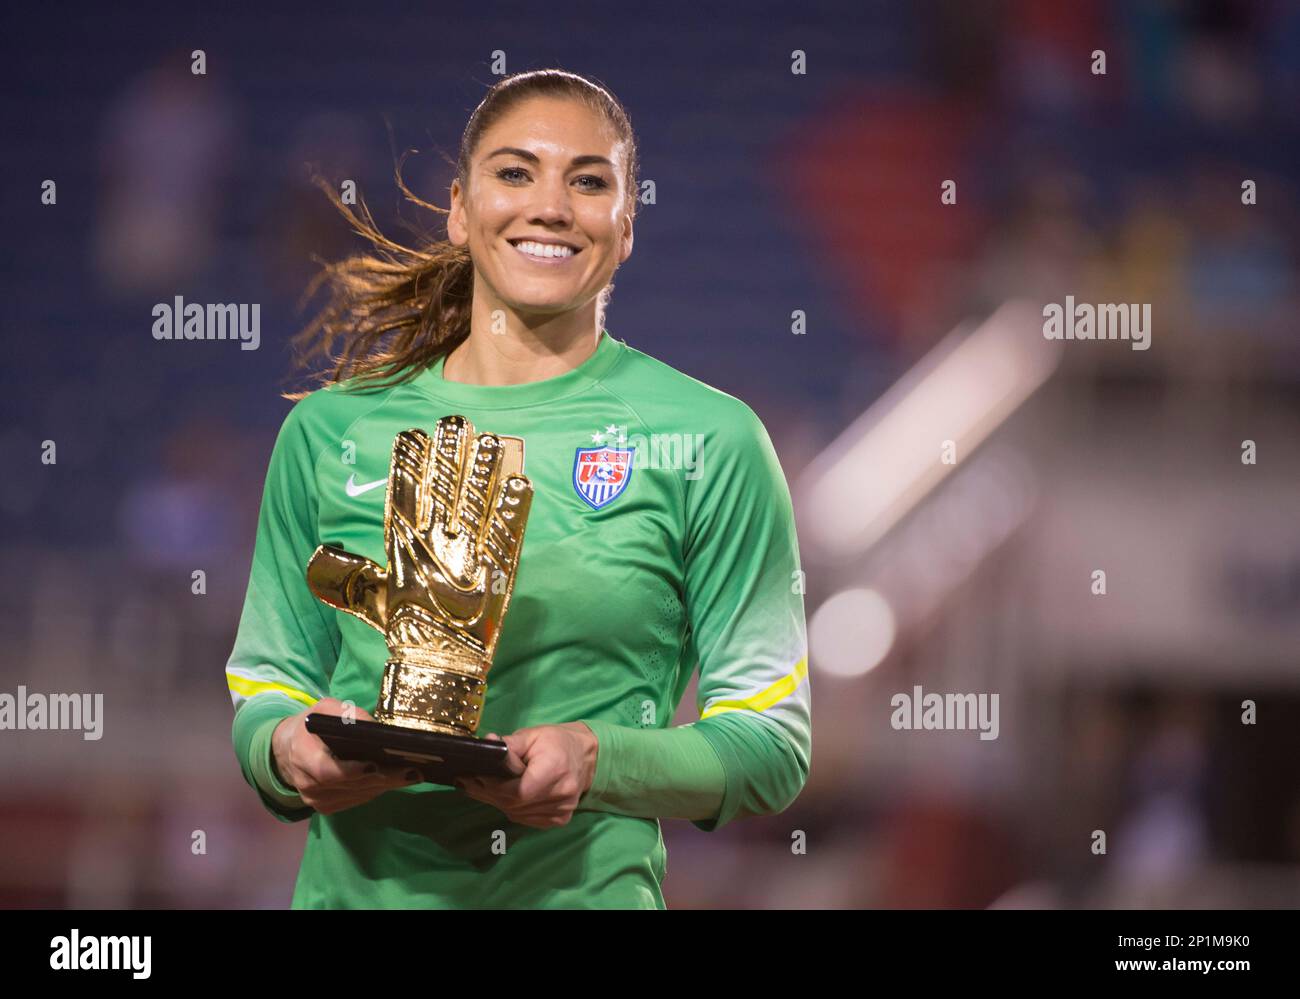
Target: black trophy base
x=439 y=758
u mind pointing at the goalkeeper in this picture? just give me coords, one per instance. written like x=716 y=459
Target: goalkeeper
x=661 y=539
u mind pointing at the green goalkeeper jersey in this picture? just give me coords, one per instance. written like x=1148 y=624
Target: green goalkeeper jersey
x=661 y=539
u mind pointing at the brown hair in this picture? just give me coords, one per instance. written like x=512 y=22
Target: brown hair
x=394 y=312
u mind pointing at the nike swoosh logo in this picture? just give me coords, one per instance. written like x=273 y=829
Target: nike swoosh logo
x=356 y=490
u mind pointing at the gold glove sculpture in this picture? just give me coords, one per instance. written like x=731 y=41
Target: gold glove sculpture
x=454 y=520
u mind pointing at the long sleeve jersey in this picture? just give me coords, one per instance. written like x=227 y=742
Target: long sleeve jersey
x=661 y=540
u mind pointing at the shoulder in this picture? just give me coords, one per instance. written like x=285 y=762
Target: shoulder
x=672 y=401
x=323 y=416
x=732 y=457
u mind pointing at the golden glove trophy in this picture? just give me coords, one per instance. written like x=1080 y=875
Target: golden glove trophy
x=454 y=519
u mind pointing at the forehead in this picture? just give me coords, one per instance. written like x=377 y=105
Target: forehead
x=555 y=126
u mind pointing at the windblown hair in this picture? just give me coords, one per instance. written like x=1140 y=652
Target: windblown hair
x=393 y=312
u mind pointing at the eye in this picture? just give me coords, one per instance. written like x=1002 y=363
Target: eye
x=507 y=174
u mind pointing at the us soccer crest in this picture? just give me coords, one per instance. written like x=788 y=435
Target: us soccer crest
x=600 y=474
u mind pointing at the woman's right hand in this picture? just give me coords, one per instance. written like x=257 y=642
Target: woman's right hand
x=325 y=782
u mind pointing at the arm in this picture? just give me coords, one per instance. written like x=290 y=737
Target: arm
x=744 y=595
x=749 y=753
x=288 y=640
x=672 y=773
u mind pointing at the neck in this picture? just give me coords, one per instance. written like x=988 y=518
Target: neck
x=521 y=354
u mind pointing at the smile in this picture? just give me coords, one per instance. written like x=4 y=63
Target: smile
x=545 y=253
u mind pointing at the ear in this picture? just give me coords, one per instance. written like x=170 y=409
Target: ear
x=625 y=241
x=456 y=230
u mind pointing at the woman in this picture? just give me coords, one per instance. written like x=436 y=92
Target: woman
x=661 y=536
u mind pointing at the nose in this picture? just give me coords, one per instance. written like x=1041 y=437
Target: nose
x=549 y=203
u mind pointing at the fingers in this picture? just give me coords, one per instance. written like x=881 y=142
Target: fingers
x=445 y=473
x=333 y=706
x=514 y=502
x=334 y=799
x=406 y=479
x=503 y=792
x=533 y=792
x=353 y=782
x=502 y=543
x=318 y=771
x=514 y=762
x=480 y=485
x=505 y=533
x=503 y=795
x=349 y=582
x=323 y=767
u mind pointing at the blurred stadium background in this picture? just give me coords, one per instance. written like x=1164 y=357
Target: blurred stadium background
x=776 y=192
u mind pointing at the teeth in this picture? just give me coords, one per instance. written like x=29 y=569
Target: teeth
x=543 y=249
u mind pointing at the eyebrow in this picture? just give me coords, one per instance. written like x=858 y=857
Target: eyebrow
x=524 y=154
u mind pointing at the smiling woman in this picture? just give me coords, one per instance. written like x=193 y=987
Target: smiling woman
x=547 y=160
x=632 y=572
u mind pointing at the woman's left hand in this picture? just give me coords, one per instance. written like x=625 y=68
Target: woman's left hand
x=554 y=767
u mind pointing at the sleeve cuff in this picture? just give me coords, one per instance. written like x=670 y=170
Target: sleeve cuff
x=257 y=725
x=263 y=765
x=765 y=769
x=734 y=768
x=607 y=741
x=653 y=772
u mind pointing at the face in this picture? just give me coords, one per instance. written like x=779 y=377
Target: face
x=550 y=172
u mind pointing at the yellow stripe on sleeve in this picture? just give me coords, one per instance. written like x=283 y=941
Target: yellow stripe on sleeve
x=246 y=687
x=783 y=687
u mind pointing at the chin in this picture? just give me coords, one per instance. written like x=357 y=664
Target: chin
x=536 y=307
x=531 y=300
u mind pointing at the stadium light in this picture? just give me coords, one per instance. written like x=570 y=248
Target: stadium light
x=889 y=458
